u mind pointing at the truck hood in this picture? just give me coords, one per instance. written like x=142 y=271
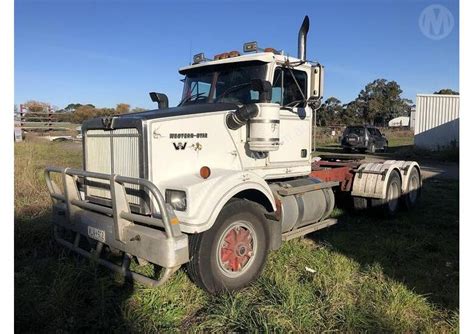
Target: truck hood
x=135 y=119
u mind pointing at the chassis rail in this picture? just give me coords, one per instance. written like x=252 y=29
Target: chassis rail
x=156 y=238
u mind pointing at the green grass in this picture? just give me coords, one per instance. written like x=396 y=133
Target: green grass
x=372 y=274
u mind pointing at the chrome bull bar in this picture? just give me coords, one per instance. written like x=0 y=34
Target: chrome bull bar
x=156 y=238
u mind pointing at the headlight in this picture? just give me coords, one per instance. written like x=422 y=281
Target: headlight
x=176 y=198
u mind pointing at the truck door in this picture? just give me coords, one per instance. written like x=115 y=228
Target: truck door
x=380 y=139
x=295 y=118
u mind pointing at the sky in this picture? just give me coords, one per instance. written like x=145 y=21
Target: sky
x=109 y=52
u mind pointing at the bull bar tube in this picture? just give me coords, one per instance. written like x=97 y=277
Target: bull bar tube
x=156 y=238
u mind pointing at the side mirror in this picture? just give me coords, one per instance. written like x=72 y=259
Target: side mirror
x=161 y=99
x=317 y=82
x=263 y=87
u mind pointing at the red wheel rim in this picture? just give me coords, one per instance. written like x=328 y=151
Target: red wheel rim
x=236 y=249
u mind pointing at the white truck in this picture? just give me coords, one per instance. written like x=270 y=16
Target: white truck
x=219 y=180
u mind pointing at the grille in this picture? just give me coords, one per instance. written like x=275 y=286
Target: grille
x=113 y=152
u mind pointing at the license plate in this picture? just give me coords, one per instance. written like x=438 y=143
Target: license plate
x=352 y=139
x=96 y=234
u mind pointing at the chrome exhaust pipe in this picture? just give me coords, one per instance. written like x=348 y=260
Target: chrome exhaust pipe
x=302 y=38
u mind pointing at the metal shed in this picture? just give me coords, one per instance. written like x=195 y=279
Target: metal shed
x=437 y=121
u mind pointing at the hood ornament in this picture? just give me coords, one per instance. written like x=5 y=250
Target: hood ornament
x=107 y=122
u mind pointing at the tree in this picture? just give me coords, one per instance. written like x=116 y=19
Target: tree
x=138 y=109
x=71 y=107
x=350 y=114
x=380 y=101
x=446 y=91
x=122 y=108
x=328 y=112
x=82 y=113
x=36 y=106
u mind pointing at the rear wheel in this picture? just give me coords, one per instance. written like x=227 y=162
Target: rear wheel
x=232 y=253
x=413 y=189
x=389 y=206
x=371 y=148
x=359 y=203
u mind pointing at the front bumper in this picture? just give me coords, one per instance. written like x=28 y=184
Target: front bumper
x=155 y=238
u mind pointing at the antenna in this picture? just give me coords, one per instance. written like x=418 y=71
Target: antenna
x=190 y=52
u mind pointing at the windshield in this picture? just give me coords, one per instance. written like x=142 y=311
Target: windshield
x=228 y=83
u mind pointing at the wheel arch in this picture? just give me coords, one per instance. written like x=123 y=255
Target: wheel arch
x=248 y=186
x=256 y=196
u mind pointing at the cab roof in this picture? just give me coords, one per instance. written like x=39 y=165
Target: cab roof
x=266 y=57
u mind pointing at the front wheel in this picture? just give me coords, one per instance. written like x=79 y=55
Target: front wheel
x=231 y=254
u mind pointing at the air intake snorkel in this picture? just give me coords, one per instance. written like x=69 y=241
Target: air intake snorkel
x=243 y=114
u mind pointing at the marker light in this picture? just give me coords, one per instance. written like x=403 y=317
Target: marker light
x=221 y=56
x=205 y=172
x=250 y=47
x=234 y=54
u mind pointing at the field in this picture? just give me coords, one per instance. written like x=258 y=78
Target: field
x=371 y=274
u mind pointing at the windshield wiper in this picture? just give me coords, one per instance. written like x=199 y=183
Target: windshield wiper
x=190 y=97
x=232 y=89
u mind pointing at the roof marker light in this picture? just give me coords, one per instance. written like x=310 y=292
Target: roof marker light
x=234 y=54
x=221 y=56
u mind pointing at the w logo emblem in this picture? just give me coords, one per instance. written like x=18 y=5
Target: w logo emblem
x=179 y=146
x=436 y=22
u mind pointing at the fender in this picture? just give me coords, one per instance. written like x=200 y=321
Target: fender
x=209 y=197
x=405 y=169
x=373 y=183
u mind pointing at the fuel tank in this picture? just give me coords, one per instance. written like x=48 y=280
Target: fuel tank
x=304 y=208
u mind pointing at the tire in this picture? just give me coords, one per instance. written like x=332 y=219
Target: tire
x=390 y=205
x=414 y=189
x=359 y=203
x=231 y=254
x=371 y=148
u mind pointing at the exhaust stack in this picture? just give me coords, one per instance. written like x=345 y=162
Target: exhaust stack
x=302 y=38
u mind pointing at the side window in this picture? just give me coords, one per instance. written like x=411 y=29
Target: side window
x=276 y=89
x=378 y=133
x=372 y=131
x=286 y=88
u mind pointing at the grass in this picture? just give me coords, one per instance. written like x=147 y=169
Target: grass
x=371 y=274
